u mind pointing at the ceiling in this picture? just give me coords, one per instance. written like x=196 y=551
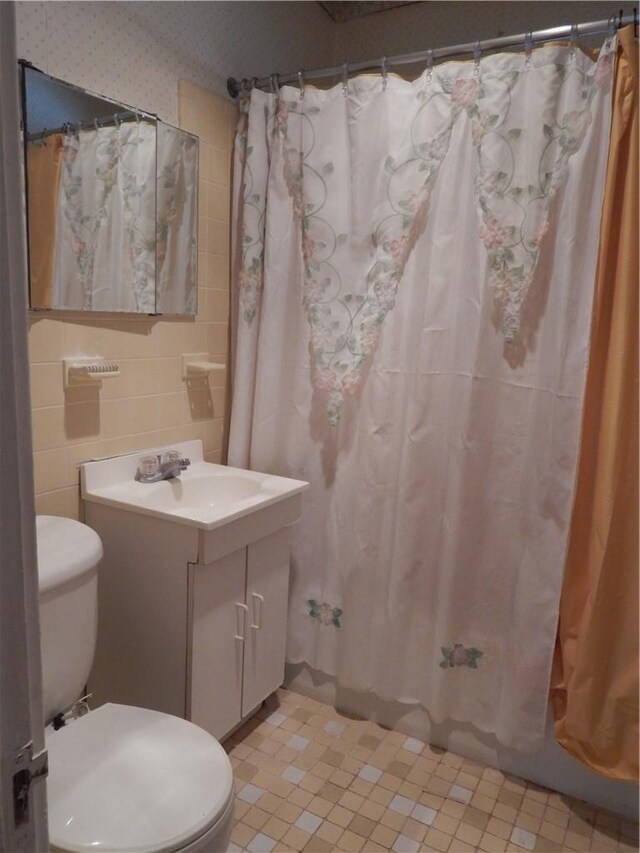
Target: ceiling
x=347 y=11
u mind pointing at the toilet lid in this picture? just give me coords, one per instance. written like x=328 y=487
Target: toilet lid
x=134 y=780
x=66 y=549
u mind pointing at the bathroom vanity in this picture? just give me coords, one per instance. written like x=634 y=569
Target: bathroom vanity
x=193 y=587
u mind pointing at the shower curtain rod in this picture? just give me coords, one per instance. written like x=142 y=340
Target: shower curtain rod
x=90 y=124
x=234 y=87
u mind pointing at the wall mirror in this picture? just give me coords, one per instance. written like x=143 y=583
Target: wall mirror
x=112 y=203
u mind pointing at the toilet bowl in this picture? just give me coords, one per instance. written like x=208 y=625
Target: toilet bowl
x=120 y=779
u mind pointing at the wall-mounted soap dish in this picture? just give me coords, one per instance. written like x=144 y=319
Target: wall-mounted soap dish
x=197 y=364
x=82 y=370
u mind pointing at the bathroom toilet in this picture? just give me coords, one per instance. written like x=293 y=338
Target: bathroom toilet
x=120 y=778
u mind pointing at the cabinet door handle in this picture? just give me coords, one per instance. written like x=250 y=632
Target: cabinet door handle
x=257 y=625
x=241 y=609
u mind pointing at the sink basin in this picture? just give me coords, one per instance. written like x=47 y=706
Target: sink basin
x=209 y=490
x=205 y=495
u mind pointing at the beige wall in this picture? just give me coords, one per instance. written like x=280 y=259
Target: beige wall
x=148 y=404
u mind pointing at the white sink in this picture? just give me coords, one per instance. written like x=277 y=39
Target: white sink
x=205 y=495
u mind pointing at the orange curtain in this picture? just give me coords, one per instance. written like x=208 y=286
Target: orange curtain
x=595 y=681
x=44 y=163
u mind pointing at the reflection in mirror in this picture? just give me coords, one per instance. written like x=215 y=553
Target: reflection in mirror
x=112 y=204
x=176 y=223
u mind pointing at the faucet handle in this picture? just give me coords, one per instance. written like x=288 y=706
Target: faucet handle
x=148 y=466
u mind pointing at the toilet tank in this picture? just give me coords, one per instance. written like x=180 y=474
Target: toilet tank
x=68 y=557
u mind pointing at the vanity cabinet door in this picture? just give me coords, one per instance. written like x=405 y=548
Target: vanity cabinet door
x=219 y=622
x=266 y=631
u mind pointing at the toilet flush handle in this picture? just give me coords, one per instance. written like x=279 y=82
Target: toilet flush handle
x=241 y=615
x=257 y=624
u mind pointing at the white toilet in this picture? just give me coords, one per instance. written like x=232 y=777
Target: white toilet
x=120 y=778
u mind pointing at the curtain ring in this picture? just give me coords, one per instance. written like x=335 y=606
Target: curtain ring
x=273 y=84
x=477 y=53
x=574 y=40
x=42 y=139
x=301 y=82
x=345 y=78
x=385 y=72
x=611 y=26
x=116 y=120
x=429 y=65
x=254 y=82
x=528 y=48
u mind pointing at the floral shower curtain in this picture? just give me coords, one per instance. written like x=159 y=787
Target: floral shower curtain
x=105 y=229
x=414 y=270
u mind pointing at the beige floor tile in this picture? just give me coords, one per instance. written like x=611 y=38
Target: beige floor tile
x=340 y=815
x=275 y=828
x=256 y=818
x=438 y=786
x=483 y=803
x=447 y=773
x=532 y=807
x=355 y=814
x=351 y=801
x=300 y=797
x=574 y=841
x=269 y=803
x=350 y=842
x=462 y=847
x=475 y=817
x=445 y=824
x=453 y=809
x=362 y=825
x=289 y=813
x=322 y=770
x=281 y=788
x=242 y=834
x=409 y=790
x=468 y=833
x=317 y=845
x=341 y=778
x=506 y=813
x=438 y=840
x=394 y=820
x=372 y=810
x=552 y=832
x=414 y=829
x=361 y=786
x=384 y=835
x=296 y=838
x=381 y=795
x=311 y=783
x=330 y=792
x=492 y=844
x=330 y=832
x=320 y=806
x=526 y=821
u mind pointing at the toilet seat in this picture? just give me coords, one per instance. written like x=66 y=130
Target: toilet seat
x=135 y=781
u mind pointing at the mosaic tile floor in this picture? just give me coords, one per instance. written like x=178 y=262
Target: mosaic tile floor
x=309 y=778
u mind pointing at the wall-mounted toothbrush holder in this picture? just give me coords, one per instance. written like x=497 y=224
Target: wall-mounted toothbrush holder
x=82 y=370
x=197 y=365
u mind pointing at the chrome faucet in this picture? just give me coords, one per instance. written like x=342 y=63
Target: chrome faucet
x=161 y=466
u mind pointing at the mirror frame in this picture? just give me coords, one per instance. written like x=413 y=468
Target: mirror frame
x=25 y=66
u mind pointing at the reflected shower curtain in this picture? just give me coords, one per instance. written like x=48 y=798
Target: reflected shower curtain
x=105 y=229
x=414 y=271
x=44 y=164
